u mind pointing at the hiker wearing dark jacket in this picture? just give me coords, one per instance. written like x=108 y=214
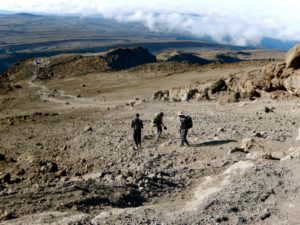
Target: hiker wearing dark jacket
x=137 y=125
x=185 y=125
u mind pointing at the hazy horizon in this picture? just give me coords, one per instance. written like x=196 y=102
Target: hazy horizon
x=232 y=22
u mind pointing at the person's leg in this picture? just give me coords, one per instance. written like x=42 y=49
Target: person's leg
x=159 y=131
x=185 y=137
x=139 y=139
x=135 y=138
x=181 y=131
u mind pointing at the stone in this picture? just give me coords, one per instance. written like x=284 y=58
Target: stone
x=262 y=134
x=247 y=143
x=61 y=173
x=292 y=153
x=220 y=129
x=52 y=167
x=298 y=137
x=230 y=97
x=292 y=83
x=21 y=172
x=88 y=128
x=268 y=110
x=292 y=58
x=2 y=157
x=260 y=155
x=265 y=215
x=218 y=86
x=6 y=178
x=7 y=215
x=160 y=95
x=236 y=149
x=65 y=147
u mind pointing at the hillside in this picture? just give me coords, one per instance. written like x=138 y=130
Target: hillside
x=66 y=149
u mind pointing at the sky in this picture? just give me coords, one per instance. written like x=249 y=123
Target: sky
x=237 y=22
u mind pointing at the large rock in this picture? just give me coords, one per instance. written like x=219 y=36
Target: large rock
x=292 y=58
x=161 y=95
x=292 y=83
x=183 y=94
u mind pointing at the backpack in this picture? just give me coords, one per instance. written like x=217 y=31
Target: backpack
x=138 y=124
x=189 y=122
x=156 y=119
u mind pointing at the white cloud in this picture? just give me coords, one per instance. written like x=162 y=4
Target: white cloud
x=231 y=21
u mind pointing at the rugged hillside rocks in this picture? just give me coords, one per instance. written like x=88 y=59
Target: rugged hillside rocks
x=227 y=58
x=177 y=56
x=275 y=80
x=4 y=84
x=126 y=58
x=75 y=65
x=292 y=58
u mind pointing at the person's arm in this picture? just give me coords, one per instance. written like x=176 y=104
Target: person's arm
x=132 y=124
x=142 y=125
x=162 y=123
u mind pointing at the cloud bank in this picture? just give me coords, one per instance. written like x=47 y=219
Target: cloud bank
x=232 y=21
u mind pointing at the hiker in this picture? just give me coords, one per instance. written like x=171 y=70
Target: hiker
x=186 y=123
x=158 y=123
x=137 y=125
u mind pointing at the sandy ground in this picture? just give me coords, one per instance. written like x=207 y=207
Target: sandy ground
x=67 y=147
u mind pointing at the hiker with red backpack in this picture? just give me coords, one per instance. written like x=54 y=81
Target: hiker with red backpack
x=186 y=123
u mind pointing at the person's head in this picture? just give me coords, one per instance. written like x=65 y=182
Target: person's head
x=181 y=114
x=161 y=114
x=137 y=115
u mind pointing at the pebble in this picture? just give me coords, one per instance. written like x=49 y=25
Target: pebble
x=88 y=128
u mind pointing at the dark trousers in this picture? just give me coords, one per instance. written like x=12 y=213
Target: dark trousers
x=159 y=130
x=137 y=137
x=183 y=136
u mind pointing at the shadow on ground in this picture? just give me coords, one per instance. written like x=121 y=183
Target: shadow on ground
x=213 y=143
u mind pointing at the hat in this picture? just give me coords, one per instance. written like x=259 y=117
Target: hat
x=180 y=113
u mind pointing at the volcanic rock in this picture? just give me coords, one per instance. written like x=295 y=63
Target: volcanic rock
x=292 y=58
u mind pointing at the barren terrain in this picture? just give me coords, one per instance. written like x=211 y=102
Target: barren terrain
x=67 y=157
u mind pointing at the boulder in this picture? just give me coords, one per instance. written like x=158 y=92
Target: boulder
x=260 y=155
x=183 y=94
x=292 y=58
x=218 y=86
x=160 y=95
x=292 y=84
x=88 y=128
x=230 y=97
x=292 y=153
x=2 y=157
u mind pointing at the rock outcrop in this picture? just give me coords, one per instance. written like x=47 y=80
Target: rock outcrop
x=275 y=80
x=227 y=58
x=124 y=58
x=292 y=58
x=177 y=56
x=4 y=84
x=76 y=65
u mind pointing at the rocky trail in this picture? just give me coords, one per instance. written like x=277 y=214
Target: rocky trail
x=69 y=159
x=69 y=101
x=233 y=168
